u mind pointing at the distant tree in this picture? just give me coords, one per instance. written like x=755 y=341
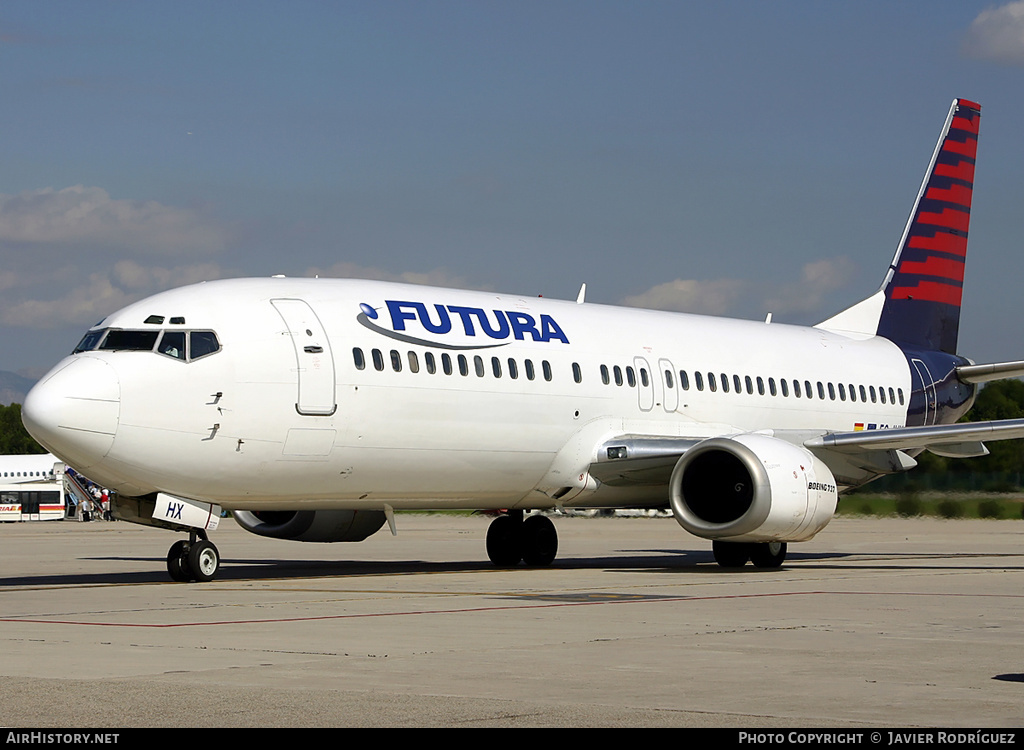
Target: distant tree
x=14 y=438
x=1000 y=399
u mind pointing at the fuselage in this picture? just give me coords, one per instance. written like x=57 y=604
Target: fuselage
x=317 y=393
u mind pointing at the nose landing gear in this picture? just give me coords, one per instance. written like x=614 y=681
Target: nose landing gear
x=194 y=560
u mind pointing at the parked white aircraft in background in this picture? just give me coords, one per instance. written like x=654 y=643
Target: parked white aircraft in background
x=31 y=487
x=313 y=408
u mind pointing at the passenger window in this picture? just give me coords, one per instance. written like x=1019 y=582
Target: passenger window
x=172 y=343
x=358 y=358
x=668 y=379
x=698 y=380
x=496 y=367
x=771 y=386
x=750 y=385
x=577 y=374
x=785 y=387
x=396 y=361
x=831 y=392
x=618 y=374
x=546 y=367
x=807 y=389
x=428 y=360
x=644 y=380
x=604 y=375
x=712 y=385
x=478 y=365
x=684 y=380
x=513 y=368
x=725 y=383
x=737 y=384
x=760 y=385
x=863 y=396
x=842 y=392
x=900 y=392
x=463 y=365
x=529 y=369
x=630 y=377
x=414 y=362
x=378 y=360
x=796 y=388
x=446 y=364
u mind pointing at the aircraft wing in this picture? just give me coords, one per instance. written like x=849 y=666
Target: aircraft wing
x=632 y=460
x=642 y=460
x=947 y=440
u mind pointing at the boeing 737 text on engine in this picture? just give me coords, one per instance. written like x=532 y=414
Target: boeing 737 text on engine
x=314 y=408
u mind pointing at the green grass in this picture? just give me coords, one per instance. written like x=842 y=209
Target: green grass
x=937 y=506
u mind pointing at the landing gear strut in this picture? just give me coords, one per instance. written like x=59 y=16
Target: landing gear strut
x=736 y=554
x=510 y=539
x=194 y=560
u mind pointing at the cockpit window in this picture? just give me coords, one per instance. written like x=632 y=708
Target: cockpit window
x=172 y=343
x=202 y=343
x=139 y=341
x=90 y=341
x=183 y=345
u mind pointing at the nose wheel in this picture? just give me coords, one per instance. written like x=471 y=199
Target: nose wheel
x=196 y=559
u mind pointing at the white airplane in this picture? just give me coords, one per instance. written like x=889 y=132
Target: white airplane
x=314 y=408
x=28 y=467
x=30 y=487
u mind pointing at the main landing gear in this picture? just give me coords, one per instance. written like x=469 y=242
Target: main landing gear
x=194 y=560
x=511 y=539
x=736 y=554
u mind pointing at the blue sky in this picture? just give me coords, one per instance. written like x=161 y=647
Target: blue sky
x=733 y=158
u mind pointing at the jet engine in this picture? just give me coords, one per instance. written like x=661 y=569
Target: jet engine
x=312 y=525
x=752 y=488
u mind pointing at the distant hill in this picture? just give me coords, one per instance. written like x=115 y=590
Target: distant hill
x=13 y=387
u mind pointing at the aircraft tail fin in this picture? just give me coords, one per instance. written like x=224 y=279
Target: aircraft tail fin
x=918 y=304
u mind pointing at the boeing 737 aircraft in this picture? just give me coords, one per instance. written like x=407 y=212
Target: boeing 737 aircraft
x=314 y=408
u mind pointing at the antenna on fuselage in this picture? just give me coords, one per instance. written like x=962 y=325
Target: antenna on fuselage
x=583 y=293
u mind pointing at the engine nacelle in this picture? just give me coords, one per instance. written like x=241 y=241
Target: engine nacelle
x=312 y=525
x=752 y=488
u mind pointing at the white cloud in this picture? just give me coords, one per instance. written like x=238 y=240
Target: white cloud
x=91 y=298
x=687 y=295
x=817 y=281
x=81 y=215
x=735 y=296
x=437 y=277
x=997 y=34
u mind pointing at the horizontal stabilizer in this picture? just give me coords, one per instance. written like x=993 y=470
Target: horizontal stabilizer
x=985 y=373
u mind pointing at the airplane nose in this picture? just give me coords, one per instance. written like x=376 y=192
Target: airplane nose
x=74 y=411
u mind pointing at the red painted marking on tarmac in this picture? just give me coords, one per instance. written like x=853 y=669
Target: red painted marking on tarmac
x=548 y=605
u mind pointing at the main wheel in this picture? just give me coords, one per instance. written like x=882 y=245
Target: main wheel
x=730 y=554
x=539 y=540
x=204 y=560
x=177 y=562
x=768 y=554
x=504 y=541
